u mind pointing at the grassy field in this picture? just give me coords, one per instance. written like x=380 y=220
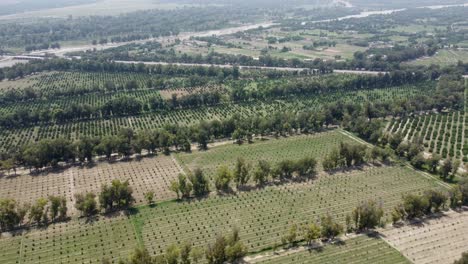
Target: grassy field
x=362 y=249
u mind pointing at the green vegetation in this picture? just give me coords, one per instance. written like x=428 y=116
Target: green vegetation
x=361 y=249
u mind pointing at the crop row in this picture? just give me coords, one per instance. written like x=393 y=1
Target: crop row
x=443 y=134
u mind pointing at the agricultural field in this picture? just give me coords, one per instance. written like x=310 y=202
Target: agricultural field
x=90 y=90
x=272 y=150
x=443 y=58
x=78 y=241
x=145 y=174
x=361 y=249
x=443 y=134
x=241 y=131
x=256 y=43
x=438 y=240
x=262 y=216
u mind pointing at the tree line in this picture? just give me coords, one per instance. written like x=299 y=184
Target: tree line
x=82 y=65
x=225 y=249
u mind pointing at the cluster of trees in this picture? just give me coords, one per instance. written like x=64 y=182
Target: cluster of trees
x=198 y=185
x=366 y=216
x=414 y=152
x=390 y=58
x=432 y=201
x=42 y=46
x=225 y=249
x=194 y=183
x=323 y=84
x=317 y=44
x=328 y=229
x=42 y=212
x=262 y=172
x=346 y=155
x=417 y=206
x=117 y=196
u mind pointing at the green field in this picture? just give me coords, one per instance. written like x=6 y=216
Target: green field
x=262 y=216
x=361 y=249
x=272 y=150
x=443 y=58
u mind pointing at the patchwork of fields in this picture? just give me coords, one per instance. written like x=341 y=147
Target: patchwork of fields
x=262 y=215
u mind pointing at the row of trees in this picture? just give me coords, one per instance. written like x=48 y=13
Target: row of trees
x=197 y=184
x=240 y=91
x=262 y=172
x=346 y=155
x=359 y=118
x=83 y=65
x=42 y=212
x=225 y=249
x=432 y=201
x=328 y=229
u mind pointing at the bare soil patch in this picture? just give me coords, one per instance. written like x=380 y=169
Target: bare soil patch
x=437 y=240
x=147 y=174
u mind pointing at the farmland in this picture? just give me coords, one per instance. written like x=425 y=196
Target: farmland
x=439 y=240
x=361 y=249
x=219 y=132
x=146 y=174
x=443 y=57
x=443 y=134
x=89 y=89
x=262 y=216
x=272 y=150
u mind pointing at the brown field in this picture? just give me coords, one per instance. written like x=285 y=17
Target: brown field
x=439 y=240
x=148 y=174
